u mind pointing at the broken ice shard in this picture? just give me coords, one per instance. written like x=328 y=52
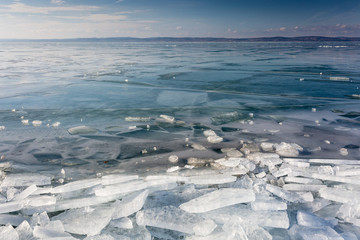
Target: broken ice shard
x=218 y=199
x=81 y=130
x=129 y=204
x=25 y=179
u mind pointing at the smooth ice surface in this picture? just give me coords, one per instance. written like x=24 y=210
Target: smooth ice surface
x=310 y=220
x=339 y=195
x=10 y=207
x=205 y=227
x=14 y=220
x=76 y=185
x=309 y=233
x=218 y=199
x=168 y=217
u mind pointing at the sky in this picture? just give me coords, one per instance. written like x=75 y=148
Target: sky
x=49 y=19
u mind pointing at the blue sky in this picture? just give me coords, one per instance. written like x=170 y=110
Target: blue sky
x=177 y=18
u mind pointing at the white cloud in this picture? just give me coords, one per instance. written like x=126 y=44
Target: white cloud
x=18 y=7
x=58 y=2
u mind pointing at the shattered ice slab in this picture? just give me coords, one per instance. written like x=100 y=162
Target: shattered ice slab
x=168 y=217
x=28 y=191
x=12 y=219
x=218 y=199
x=114 y=179
x=214 y=139
x=339 y=195
x=282 y=172
x=8 y=233
x=335 y=161
x=205 y=227
x=25 y=180
x=309 y=233
x=86 y=221
x=307 y=219
x=302 y=180
x=287 y=150
x=81 y=130
x=268 y=205
x=129 y=204
x=124 y=222
x=25 y=231
x=121 y=188
x=303 y=188
x=212 y=179
x=76 y=185
x=42 y=200
x=282 y=193
x=53 y=230
x=333 y=178
x=10 y=207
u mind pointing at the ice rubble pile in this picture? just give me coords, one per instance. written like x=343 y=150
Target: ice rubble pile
x=256 y=192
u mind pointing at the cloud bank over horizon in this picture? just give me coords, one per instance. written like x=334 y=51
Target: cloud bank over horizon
x=46 y=19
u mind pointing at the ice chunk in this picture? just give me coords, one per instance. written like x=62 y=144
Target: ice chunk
x=104 y=237
x=316 y=205
x=214 y=139
x=87 y=220
x=308 y=233
x=168 y=217
x=130 y=204
x=208 y=133
x=335 y=161
x=121 y=188
x=40 y=201
x=25 y=179
x=137 y=119
x=53 y=230
x=303 y=188
x=282 y=172
x=339 y=195
x=36 y=123
x=268 y=205
x=81 y=130
x=25 y=231
x=173 y=169
x=231 y=162
x=282 y=193
x=14 y=220
x=114 y=179
x=286 y=150
x=311 y=220
x=339 y=79
x=77 y=185
x=303 y=180
x=198 y=147
x=205 y=227
x=41 y=219
x=8 y=233
x=348 y=172
x=212 y=179
x=349 y=211
x=166 y=118
x=124 y=222
x=10 y=207
x=29 y=190
x=268 y=159
x=267 y=147
x=218 y=199
x=336 y=178
x=173 y=159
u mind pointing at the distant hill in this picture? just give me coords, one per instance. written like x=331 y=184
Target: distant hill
x=203 y=39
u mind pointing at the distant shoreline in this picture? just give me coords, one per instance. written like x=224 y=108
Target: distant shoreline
x=195 y=39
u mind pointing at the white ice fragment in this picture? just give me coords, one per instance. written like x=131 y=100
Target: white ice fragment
x=316 y=205
x=173 y=169
x=137 y=119
x=339 y=78
x=10 y=207
x=282 y=172
x=81 y=130
x=348 y=172
x=2 y=128
x=309 y=233
x=303 y=188
x=282 y=193
x=268 y=205
x=25 y=121
x=55 y=124
x=267 y=147
x=299 y=164
x=198 y=147
x=343 y=152
x=25 y=179
x=326 y=170
x=12 y=219
x=351 y=210
x=311 y=220
x=167 y=118
x=25 y=231
x=205 y=227
x=173 y=159
x=286 y=149
x=36 y=123
x=89 y=221
x=261 y=175
x=121 y=188
x=76 y=185
x=218 y=199
x=335 y=161
x=208 y=133
x=114 y=179
x=129 y=204
x=333 y=178
x=8 y=233
x=124 y=222
x=132 y=127
x=41 y=219
x=313 y=109
x=265 y=158
x=234 y=153
x=28 y=191
x=214 y=139
x=53 y=230
x=168 y=217
x=231 y=162
x=339 y=195
x=42 y=200
x=212 y=179
x=302 y=180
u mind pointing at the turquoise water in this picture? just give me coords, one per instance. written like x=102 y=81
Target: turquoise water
x=303 y=92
